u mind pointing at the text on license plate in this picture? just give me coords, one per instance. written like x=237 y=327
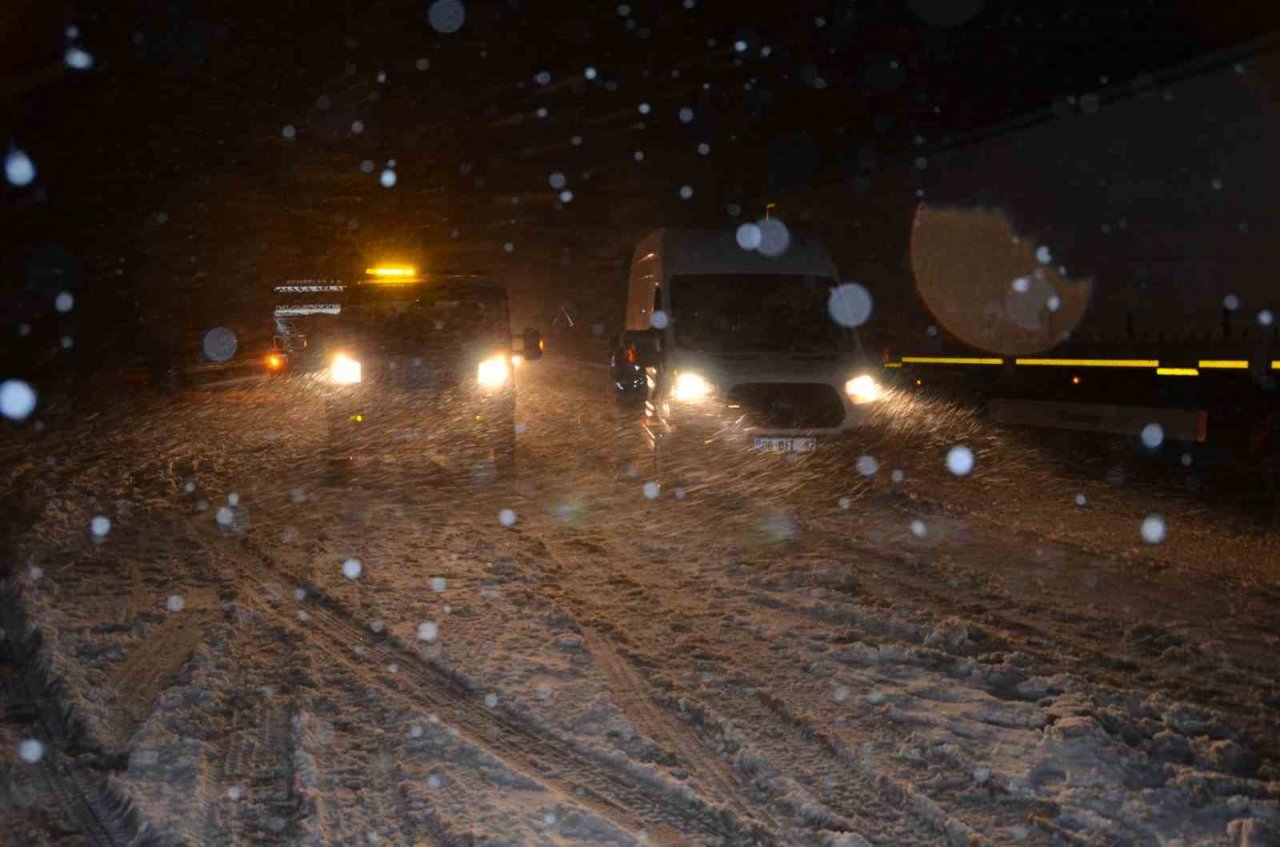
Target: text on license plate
x=786 y=445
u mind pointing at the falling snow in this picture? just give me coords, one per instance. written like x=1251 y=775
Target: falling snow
x=18 y=168
x=17 y=399
x=30 y=751
x=960 y=460
x=219 y=344
x=1153 y=530
x=446 y=16
x=775 y=238
x=849 y=304
x=78 y=59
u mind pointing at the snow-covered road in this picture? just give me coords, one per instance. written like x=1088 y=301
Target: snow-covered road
x=258 y=651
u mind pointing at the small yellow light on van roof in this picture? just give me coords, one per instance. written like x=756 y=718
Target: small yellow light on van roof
x=392 y=272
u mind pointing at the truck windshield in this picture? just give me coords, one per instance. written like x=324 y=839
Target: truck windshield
x=405 y=322
x=755 y=312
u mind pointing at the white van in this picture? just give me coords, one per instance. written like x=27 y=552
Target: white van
x=725 y=344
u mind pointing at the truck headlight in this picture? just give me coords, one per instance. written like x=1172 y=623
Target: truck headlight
x=344 y=370
x=493 y=372
x=863 y=389
x=692 y=387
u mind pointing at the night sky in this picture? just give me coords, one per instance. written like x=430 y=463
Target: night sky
x=211 y=149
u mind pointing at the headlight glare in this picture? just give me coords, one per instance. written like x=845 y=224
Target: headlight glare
x=863 y=389
x=493 y=372
x=692 y=387
x=344 y=370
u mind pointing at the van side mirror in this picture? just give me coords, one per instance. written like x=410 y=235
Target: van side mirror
x=531 y=345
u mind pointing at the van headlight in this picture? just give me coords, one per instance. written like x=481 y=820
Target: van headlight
x=863 y=389
x=344 y=370
x=692 y=387
x=493 y=372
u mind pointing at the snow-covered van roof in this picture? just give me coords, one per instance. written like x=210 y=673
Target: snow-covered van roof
x=685 y=251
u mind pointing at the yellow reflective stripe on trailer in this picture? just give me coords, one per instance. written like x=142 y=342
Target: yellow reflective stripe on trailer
x=1090 y=363
x=949 y=360
x=1203 y=364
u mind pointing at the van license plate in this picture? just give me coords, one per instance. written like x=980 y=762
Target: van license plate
x=786 y=445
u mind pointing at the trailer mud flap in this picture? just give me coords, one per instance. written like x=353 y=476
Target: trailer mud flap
x=1178 y=424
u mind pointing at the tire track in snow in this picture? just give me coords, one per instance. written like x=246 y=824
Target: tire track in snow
x=675 y=737
x=635 y=800
x=881 y=809
x=145 y=673
x=359 y=785
x=630 y=800
x=253 y=794
x=99 y=812
x=1073 y=643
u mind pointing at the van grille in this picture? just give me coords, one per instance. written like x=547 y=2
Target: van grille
x=783 y=405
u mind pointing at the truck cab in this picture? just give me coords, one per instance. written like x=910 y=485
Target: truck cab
x=423 y=365
x=725 y=345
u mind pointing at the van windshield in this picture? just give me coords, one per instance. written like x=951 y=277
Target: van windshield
x=757 y=313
